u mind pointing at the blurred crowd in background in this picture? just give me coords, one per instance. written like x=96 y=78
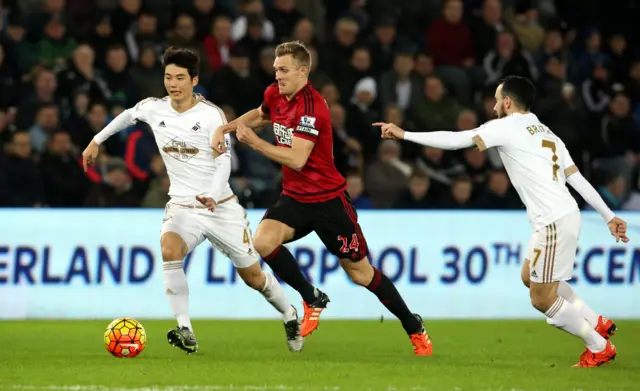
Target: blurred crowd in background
x=67 y=68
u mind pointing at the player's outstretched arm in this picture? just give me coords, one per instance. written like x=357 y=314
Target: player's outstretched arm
x=441 y=139
x=617 y=226
x=122 y=121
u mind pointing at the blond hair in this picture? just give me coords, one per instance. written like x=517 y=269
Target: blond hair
x=297 y=50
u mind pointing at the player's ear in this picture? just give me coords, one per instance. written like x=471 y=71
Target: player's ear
x=194 y=81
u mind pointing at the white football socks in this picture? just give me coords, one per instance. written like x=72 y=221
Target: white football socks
x=177 y=291
x=565 y=291
x=566 y=316
x=272 y=291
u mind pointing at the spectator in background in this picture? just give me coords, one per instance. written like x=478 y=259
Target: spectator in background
x=552 y=65
x=47 y=120
x=347 y=150
x=613 y=191
x=236 y=85
x=485 y=29
x=400 y=86
x=460 y=195
x=508 y=60
x=355 y=189
x=385 y=44
x=18 y=51
x=218 y=44
x=20 y=181
x=158 y=194
x=434 y=110
x=143 y=31
x=184 y=36
x=83 y=76
x=37 y=21
x=336 y=54
x=361 y=114
x=120 y=84
x=451 y=45
x=305 y=32
x=124 y=17
x=620 y=60
x=589 y=57
x=387 y=176
x=418 y=194
x=240 y=25
x=564 y=114
x=423 y=66
x=62 y=176
x=147 y=73
x=9 y=82
x=358 y=69
x=116 y=190
x=284 y=16
x=597 y=91
x=253 y=42
x=55 y=48
x=203 y=12
x=524 y=21
x=45 y=86
x=619 y=144
x=101 y=38
x=499 y=194
x=632 y=87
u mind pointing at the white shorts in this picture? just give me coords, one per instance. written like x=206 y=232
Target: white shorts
x=227 y=229
x=552 y=249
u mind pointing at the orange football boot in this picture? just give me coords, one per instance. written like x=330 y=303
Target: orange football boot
x=312 y=313
x=605 y=327
x=588 y=359
x=422 y=345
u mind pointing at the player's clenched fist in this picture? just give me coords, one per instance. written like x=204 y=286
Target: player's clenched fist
x=618 y=229
x=390 y=131
x=217 y=141
x=90 y=155
x=245 y=134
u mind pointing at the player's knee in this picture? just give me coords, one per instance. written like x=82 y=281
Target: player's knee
x=541 y=301
x=265 y=244
x=360 y=273
x=172 y=253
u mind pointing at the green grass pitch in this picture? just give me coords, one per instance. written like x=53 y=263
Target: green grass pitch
x=339 y=356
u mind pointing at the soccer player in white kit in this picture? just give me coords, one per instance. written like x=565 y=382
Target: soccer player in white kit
x=539 y=165
x=183 y=125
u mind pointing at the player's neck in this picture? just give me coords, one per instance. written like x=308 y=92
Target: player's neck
x=289 y=97
x=183 y=105
x=517 y=112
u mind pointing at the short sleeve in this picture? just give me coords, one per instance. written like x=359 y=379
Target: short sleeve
x=490 y=135
x=267 y=99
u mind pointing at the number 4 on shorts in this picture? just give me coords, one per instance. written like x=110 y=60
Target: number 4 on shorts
x=354 y=245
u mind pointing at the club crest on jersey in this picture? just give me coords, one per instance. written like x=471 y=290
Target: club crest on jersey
x=196 y=127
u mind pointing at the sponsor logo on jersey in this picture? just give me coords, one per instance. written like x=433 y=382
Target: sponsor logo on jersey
x=196 y=127
x=180 y=150
x=283 y=134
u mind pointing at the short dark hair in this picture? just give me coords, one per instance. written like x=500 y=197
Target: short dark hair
x=520 y=90
x=183 y=58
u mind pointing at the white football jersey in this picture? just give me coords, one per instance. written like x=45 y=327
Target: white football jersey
x=184 y=141
x=536 y=160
